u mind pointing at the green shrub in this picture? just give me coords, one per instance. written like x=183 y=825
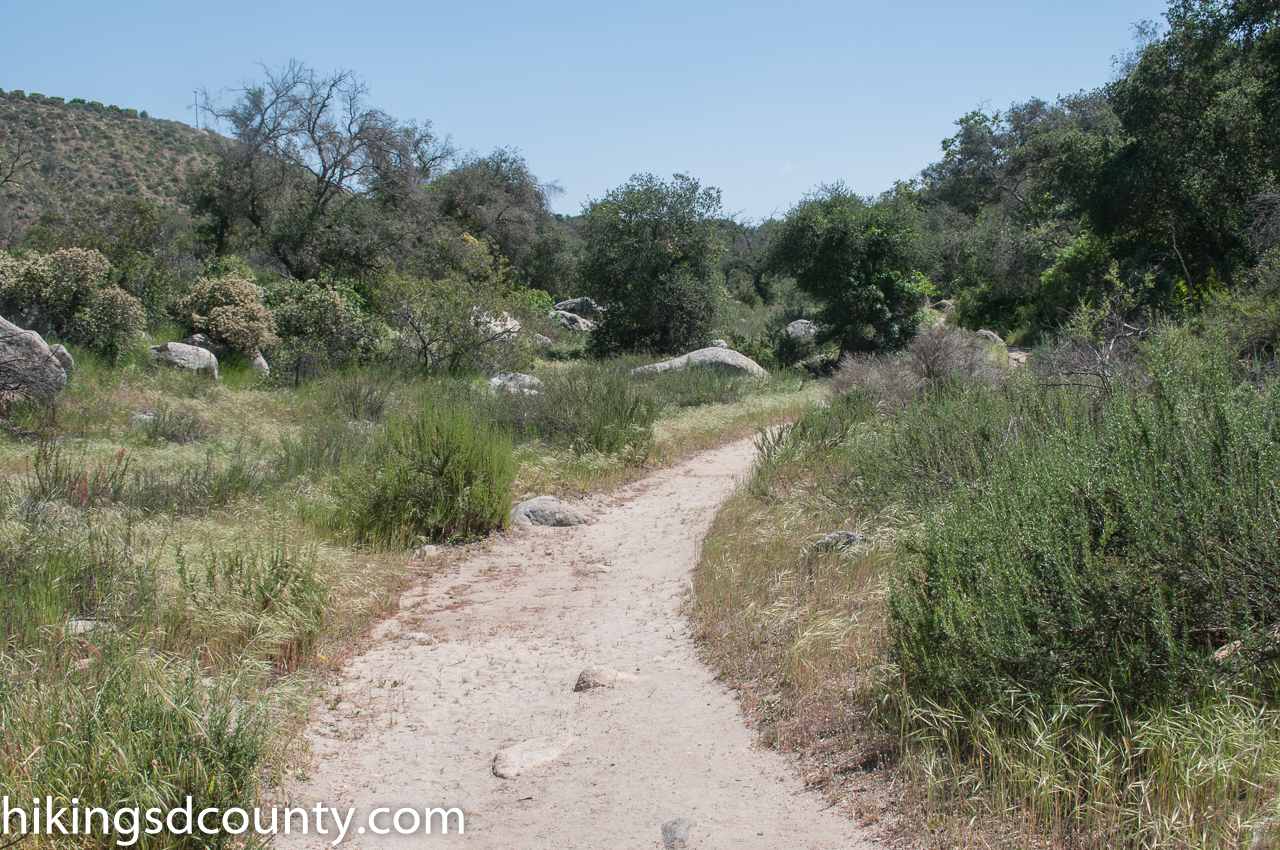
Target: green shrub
x=319 y=318
x=1118 y=540
x=467 y=317
x=229 y=310
x=436 y=473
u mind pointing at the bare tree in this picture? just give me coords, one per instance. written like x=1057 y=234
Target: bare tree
x=303 y=141
x=17 y=153
x=322 y=125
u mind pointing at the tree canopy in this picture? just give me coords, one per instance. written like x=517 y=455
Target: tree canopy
x=649 y=257
x=864 y=261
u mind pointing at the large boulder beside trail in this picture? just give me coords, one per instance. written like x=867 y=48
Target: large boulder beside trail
x=28 y=368
x=574 y=322
x=547 y=510
x=187 y=357
x=584 y=307
x=724 y=360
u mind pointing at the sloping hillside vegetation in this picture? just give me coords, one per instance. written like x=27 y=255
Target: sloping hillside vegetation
x=80 y=152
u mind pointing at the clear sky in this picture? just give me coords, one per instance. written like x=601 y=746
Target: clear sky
x=764 y=100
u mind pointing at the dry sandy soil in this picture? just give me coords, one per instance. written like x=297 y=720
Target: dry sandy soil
x=485 y=655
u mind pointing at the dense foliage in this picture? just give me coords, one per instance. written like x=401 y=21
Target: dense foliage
x=649 y=254
x=860 y=261
x=70 y=293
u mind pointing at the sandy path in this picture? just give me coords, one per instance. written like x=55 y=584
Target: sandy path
x=486 y=655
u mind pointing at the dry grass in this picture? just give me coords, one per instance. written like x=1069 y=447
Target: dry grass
x=799 y=628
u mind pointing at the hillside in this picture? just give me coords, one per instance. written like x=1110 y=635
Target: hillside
x=87 y=150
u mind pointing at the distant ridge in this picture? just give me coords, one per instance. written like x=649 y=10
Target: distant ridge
x=84 y=150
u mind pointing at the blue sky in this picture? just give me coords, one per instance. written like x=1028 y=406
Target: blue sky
x=763 y=100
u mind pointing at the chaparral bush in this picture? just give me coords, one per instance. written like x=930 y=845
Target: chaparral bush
x=229 y=310
x=71 y=288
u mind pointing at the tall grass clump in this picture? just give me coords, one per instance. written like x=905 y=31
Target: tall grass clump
x=110 y=690
x=264 y=603
x=589 y=408
x=131 y=730
x=435 y=472
x=1110 y=575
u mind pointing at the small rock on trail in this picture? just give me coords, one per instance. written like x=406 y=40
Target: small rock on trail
x=515 y=760
x=597 y=676
x=675 y=833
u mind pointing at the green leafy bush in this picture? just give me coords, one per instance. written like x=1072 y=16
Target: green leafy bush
x=319 y=318
x=229 y=310
x=649 y=256
x=468 y=316
x=1117 y=539
x=436 y=473
x=72 y=288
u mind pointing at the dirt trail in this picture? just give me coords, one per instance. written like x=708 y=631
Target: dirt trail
x=486 y=654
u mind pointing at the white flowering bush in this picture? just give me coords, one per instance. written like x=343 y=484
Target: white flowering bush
x=72 y=288
x=227 y=310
